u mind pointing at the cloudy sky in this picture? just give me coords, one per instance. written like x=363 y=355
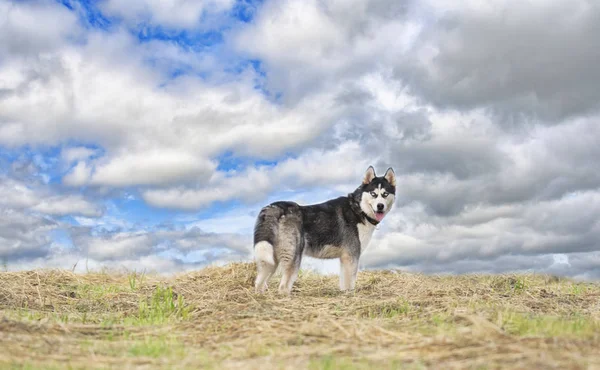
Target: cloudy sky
x=148 y=134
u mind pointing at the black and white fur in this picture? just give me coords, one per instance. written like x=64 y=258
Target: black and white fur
x=339 y=228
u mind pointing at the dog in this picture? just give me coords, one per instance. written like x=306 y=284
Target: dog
x=339 y=228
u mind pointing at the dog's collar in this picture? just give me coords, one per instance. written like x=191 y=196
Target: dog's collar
x=373 y=221
x=356 y=207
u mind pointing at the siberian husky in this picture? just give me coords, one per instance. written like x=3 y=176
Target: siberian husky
x=339 y=228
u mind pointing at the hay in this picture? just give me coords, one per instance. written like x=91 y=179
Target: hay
x=213 y=318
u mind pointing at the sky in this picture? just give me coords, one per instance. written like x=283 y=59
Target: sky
x=147 y=135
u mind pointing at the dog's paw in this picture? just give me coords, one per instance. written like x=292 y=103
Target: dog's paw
x=261 y=290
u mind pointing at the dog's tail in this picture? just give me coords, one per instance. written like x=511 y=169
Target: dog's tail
x=264 y=253
x=265 y=237
x=266 y=232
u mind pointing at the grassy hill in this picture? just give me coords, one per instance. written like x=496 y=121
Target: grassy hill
x=212 y=319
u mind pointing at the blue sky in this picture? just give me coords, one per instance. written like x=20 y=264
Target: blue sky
x=148 y=134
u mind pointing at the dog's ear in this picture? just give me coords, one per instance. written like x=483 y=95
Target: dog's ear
x=390 y=176
x=369 y=175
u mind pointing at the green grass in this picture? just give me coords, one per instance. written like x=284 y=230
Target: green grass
x=162 y=307
x=580 y=289
x=135 y=280
x=511 y=285
x=332 y=362
x=388 y=310
x=32 y=366
x=95 y=291
x=578 y=326
x=156 y=347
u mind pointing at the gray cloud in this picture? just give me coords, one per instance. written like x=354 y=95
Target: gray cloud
x=104 y=245
x=194 y=239
x=33 y=196
x=583 y=266
x=528 y=59
x=23 y=235
x=450 y=173
x=484 y=233
x=456 y=156
x=30 y=211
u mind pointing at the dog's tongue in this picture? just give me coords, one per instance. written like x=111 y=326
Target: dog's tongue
x=379 y=216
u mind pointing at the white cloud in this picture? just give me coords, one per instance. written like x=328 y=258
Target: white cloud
x=171 y=13
x=344 y=164
x=78 y=153
x=78 y=175
x=238 y=221
x=182 y=244
x=17 y=195
x=151 y=168
x=67 y=205
x=117 y=246
x=253 y=184
x=38 y=199
x=31 y=27
x=67 y=259
x=310 y=45
x=195 y=239
x=104 y=93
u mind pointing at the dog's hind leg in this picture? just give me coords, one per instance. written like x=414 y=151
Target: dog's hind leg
x=289 y=252
x=265 y=264
x=289 y=274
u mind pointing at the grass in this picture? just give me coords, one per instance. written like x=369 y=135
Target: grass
x=550 y=326
x=387 y=310
x=162 y=307
x=156 y=348
x=55 y=319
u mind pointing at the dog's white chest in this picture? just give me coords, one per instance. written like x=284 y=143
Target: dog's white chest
x=364 y=235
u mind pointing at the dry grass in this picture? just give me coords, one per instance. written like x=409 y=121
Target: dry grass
x=213 y=319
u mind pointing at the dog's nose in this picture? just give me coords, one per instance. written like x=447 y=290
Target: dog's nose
x=380 y=207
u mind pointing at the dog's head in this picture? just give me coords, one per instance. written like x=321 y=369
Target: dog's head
x=377 y=194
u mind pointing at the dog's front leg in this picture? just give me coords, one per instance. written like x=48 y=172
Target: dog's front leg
x=348 y=271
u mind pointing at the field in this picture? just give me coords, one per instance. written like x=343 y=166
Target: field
x=212 y=319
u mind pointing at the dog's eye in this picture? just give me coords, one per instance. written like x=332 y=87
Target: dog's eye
x=384 y=194
x=373 y=194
